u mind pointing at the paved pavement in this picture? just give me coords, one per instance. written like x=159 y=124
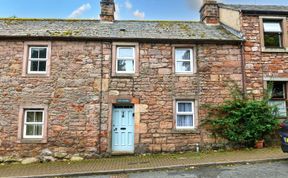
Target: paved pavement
x=259 y=170
x=141 y=163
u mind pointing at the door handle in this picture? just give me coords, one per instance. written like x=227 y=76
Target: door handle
x=123 y=128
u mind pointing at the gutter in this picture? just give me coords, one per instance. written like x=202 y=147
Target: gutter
x=243 y=64
x=113 y=39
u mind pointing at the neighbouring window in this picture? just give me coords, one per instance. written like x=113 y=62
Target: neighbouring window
x=183 y=60
x=33 y=123
x=37 y=60
x=125 y=60
x=184 y=114
x=273 y=34
x=279 y=97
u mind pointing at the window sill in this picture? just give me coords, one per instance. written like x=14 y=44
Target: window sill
x=32 y=141
x=185 y=74
x=123 y=75
x=35 y=76
x=274 y=50
x=192 y=130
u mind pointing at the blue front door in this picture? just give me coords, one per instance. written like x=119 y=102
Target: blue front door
x=123 y=129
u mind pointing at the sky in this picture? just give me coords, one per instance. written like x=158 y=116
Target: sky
x=126 y=9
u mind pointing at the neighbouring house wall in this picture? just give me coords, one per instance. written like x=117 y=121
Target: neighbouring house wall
x=230 y=18
x=73 y=96
x=260 y=64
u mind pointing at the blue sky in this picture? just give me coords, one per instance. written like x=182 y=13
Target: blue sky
x=127 y=9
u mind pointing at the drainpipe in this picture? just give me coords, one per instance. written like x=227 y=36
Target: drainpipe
x=100 y=98
x=243 y=64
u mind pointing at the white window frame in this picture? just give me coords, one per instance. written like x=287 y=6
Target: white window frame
x=280 y=33
x=125 y=58
x=33 y=123
x=182 y=60
x=185 y=113
x=37 y=59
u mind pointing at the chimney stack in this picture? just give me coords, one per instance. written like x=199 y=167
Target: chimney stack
x=107 y=10
x=209 y=12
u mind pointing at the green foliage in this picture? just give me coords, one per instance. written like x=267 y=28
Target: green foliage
x=242 y=120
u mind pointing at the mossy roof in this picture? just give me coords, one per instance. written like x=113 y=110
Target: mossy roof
x=95 y=29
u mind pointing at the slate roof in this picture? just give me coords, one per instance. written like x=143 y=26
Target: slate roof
x=257 y=8
x=94 y=29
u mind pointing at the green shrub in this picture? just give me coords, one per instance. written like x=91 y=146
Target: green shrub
x=241 y=120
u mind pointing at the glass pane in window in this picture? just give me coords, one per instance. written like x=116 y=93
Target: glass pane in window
x=184 y=107
x=272 y=40
x=30 y=117
x=42 y=52
x=125 y=52
x=34 y=66
x=38 y=116
x=272 y=27
x=184 y=121
x=34 y=53
x=278 y=90
x=125 y=65
x=183 y=66
x=42 y=66
x=183 y=54
x=29 y=129
x=281 y=105
x=38 y=130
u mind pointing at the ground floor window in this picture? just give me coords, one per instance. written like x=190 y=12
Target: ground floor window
x=33 y=123
x=279 y=96
x=184 y=114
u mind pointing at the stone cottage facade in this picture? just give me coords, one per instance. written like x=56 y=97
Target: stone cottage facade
x=98 y=87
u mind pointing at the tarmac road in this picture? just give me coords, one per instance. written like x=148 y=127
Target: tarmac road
x=260 y=170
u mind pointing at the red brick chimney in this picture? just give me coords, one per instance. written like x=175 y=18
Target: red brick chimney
x=209 y=12
x=107 y=10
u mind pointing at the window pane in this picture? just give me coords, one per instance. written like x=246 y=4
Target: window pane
x=34 y=66
x=125 y=52
x=29 y=129
x=38 y=130
x=34 y=53
x=42 y=52
x=183 y=54
x=30 y=117
x=184 y=107
x=272 y=40
x=272 y=27
x=184 y=121
x=281 y=105
x=38 y=116
x=126 y=65
x=278 y=90
x=183 y=66
x=42 y=66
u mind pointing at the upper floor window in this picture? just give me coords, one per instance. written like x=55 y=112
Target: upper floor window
x=125 y=59
x=37 y=60
x=273 y=34
x=183 y=60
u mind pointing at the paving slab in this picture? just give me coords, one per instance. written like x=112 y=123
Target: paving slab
x=124 y=164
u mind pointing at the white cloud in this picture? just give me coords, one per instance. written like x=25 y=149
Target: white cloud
x=139 y=14
x=117 y=11
x=128 y=4
x=78 y=12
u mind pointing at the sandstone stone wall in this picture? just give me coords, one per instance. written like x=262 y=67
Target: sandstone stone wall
x=71 y=93
x=260 y=64
x=77 y=94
